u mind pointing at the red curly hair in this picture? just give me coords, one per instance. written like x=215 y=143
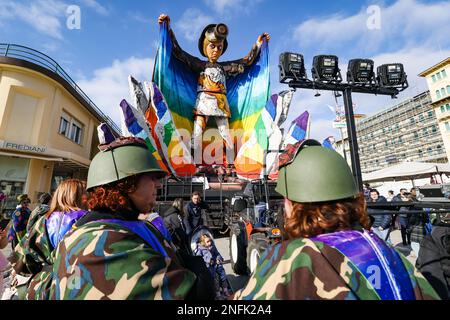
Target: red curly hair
x=114 y=197
x=311 y=219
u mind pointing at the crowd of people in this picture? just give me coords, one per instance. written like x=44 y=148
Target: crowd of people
x=101 y=239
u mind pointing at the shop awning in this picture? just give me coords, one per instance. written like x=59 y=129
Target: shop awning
x=30 y=156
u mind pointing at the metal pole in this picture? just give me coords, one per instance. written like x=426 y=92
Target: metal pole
x=343 y=144
x=352 y=139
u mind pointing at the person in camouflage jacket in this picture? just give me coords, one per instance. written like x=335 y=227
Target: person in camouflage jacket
x=329 y=252
x=46 y=228
x=110 y=254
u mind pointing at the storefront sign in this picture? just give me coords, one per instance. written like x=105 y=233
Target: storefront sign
x=22 y=147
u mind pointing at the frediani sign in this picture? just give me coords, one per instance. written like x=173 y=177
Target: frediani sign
x=22 y=147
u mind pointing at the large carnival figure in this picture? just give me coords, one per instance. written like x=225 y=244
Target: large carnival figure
x=211 y=99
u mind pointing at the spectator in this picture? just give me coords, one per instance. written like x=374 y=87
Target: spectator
x=402 y=216
x=417 y=228
x=390 y=195
x=112 y=253
x=434 y=259
x=381 y=223
x=366 y=191
x=174 y=221
x=329 y=244
x=213 y=260
x=194 y=213
x=20 y=218
x=35 y=251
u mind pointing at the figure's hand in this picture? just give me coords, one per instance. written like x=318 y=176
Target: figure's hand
x=264 y=35
x=163 y=17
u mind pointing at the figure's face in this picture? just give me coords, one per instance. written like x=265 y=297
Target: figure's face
x=144 y=197
x=213 y=50
x=207 y=242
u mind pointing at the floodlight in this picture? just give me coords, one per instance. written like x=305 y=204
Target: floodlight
x=292 y=66
x=360 y=71
x=391 y=75
x=326 y=69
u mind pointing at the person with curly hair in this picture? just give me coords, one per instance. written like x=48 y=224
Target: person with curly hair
x=330 y=252
x=111 y=254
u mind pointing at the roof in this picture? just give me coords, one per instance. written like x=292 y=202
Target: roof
x=432 y=69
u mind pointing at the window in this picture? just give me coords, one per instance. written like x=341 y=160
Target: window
x=424 y=132
x=400 y=140
x=416 y=135
x=447 y=107
x=438 y=75
x=71 y=128
x=421 y=117
x=438 y=94
x=75 y=134
x=447 y=126
x=430 y=151
x=64 y=125
x=433 y=77
x=420 y=153
x=430 y=114
x=448 y=89
x=442 y=109
x=412 y=121
x=433 y=128
x=443 y=73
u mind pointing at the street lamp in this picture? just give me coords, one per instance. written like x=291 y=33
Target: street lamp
x=326 y=69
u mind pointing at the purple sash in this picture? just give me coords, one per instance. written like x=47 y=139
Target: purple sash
x=378 y=262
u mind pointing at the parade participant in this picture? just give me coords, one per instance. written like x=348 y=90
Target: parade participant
x=42 y=208
x=329 y=253
x=193 y=212
x=20 y=218
x=174 y=221
x=4 y=264
x=35 y=251
x=111 y=254
x=211 y=86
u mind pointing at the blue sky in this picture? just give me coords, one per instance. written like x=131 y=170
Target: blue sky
x=118 y=38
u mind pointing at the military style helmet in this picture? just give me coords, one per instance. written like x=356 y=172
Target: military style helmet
x=120 y=159
x=214 y=33
x=311 y=173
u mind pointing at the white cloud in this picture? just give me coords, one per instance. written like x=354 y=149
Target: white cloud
x=42 y=15
x=109 y=85
x=404 y=23
x=191 y=23
x=93 y=4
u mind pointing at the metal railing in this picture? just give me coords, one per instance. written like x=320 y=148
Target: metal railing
x=41 y=59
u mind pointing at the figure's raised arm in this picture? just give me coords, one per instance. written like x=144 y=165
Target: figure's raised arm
x=192 y=62
x=237 y=66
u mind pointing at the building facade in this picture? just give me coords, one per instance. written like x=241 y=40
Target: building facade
x=407 y=131
x=47 y=125
x=438 y=80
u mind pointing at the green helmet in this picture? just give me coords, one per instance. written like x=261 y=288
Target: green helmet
x=315 y=174
x=121 y=159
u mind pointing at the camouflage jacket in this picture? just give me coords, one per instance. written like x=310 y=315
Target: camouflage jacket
x=302 y=269
x=104 y=260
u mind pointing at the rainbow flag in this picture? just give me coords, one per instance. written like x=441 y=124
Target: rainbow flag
x=174 y=146
x=133 y=124
x=247 y=96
